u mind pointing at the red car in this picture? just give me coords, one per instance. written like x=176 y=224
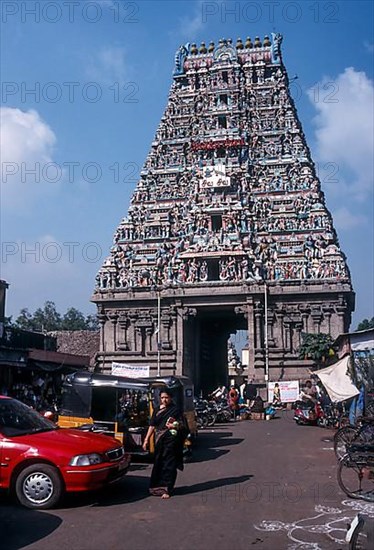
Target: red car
x=39 y=461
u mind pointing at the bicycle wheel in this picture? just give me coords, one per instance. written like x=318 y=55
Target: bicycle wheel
x=202 y=421
x=212 y=417
x=355 y=479
x=342 y=439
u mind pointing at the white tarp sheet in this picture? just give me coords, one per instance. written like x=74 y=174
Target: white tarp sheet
x=337 y=382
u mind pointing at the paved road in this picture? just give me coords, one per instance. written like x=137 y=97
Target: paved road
x=252 y=484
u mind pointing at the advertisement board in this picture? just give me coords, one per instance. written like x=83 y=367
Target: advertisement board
x=289 y=391
x=130 y=371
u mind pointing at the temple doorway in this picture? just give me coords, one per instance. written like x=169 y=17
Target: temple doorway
x=206 y=357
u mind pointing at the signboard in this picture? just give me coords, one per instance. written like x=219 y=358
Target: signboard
x=215 y=177
x=130 y=371
x=289 y=391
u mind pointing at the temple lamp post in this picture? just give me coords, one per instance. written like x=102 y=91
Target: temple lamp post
x=266 y=341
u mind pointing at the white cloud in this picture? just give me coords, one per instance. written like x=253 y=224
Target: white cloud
x=108 y=66
x=24 y=136
x=344 y=130
x=189 y=26
x=27 y=144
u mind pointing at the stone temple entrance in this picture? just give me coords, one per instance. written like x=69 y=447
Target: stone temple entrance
x=227 y=229
x=207 y=334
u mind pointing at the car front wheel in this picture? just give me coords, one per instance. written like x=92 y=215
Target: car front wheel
x=39 y=486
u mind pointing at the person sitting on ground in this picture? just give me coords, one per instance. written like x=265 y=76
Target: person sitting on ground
x=250 y=393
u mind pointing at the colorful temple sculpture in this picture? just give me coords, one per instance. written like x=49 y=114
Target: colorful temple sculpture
x=227 y=228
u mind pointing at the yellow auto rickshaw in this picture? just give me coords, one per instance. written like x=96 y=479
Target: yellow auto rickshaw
x=122 y=407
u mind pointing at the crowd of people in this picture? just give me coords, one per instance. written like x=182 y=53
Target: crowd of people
x=241 y=399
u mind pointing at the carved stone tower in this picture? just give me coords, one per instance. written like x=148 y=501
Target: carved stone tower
x=227 y=228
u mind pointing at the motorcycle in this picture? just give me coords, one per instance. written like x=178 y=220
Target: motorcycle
x=206 y=414
x=309 y=413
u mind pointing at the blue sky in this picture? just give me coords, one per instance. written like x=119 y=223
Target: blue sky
x=84 y=85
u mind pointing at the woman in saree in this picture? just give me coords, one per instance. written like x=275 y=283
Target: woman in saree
x=168 y=426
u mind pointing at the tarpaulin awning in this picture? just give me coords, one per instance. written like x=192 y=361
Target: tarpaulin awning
x=337 y=382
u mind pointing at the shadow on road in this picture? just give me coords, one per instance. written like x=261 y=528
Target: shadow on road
x=207 y=445
x=21 y=527
x=131 y=489
x=211 y=485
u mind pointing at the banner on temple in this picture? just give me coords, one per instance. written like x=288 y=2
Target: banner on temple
x=212 y=145
x=289 y=391
x=130 y=371
x=215 y=176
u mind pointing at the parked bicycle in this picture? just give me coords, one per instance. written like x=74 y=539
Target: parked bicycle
x=345 y=436
x=356 y=471
x=206 y=413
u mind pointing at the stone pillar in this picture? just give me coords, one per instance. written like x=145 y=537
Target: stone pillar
x=341 y=311
x=134 y=336
x=187 y=313
x=179 y=339
x=280 y=317
x=327 y=316
x=317 y=318
x=149 y=332
x=102 y=318
x=139 y=339
x=298 y=329
x=123 y=324
x=113 y=318
x=305 y=321
x=251 y=337
x=258 y=317
x=287 y=335
x=165 y=330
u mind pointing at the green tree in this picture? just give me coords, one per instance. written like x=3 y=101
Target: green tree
x=73 y=320
x=92 y=322
x=315 y=346
x=24 y=320
x=365 y=324
x=47 y=319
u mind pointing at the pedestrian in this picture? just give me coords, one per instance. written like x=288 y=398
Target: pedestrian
x=233 y=400
x=168 y=427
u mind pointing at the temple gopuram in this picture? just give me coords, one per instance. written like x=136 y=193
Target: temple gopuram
x=227 y=229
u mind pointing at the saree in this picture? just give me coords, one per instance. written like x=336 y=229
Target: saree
x=168 y=456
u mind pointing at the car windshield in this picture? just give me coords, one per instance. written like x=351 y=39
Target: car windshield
x=18 y=419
